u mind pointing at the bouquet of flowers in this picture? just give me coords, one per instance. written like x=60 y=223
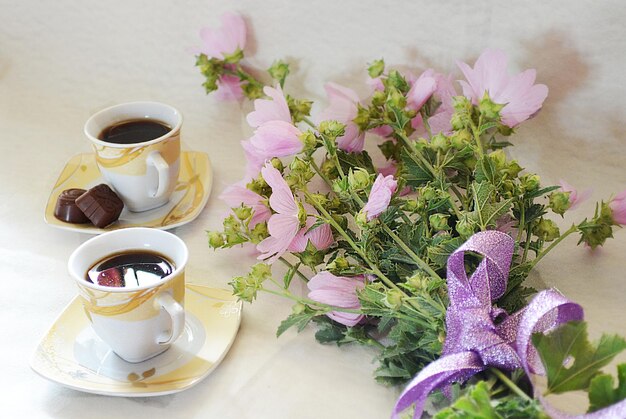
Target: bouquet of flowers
x=414 y=231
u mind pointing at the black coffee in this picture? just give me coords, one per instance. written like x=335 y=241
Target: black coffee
x=131 y=269
x=134 y=131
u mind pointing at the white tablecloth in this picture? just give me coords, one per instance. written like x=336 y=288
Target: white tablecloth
x=61 y=61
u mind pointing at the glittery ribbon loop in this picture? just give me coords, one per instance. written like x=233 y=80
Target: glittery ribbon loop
x=480 y=335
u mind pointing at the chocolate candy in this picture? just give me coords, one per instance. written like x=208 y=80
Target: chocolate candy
x=101 y=205
x=66 y=209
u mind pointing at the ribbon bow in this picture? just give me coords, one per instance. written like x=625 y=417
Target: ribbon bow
x=480 y=335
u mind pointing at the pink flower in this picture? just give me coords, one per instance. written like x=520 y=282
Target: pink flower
x=254 y=160
x=276 y=139
x=226 y=39
x=522 y=97
x=618 y=208
x=339 y=291
x=236 y=195
x=444 y=92
x=228 y=88
x=575 y=198
x=285 y=224
x=320 y=237
x=343 y=108
x=273 y=109
x=380 y=196
x=422 y=90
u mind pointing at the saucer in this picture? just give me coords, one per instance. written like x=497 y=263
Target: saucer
x=189 y=198
x=72 y=355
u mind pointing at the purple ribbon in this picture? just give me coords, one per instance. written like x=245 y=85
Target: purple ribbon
x=480 y=335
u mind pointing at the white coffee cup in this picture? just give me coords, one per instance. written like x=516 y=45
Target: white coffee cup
x=144 y=174
x=140 y=322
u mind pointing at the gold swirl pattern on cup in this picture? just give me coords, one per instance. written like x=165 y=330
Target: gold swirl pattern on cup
x=131 y=305
x=132 y=161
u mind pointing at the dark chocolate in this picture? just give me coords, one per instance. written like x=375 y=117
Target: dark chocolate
x=101 y=205
x=66 y=209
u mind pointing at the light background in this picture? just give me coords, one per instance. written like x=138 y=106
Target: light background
x=61 y=61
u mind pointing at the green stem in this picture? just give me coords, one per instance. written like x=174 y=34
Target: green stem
x=479 y=143
x=544 y=252
x=352 y=244
x=420 y=262
x=417 y=154
x=510 y=384
x=297 y=271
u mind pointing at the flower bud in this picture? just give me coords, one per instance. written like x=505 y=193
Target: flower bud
x=465 y=226
x=299 y=108
x=546 y=230
x=340 y=186
x=512 y=169
x=259 y=233
x=277 y=164
x=499 y=159
x=393 y=299
x=376 y=68
x=559 y=202
x=396 y=99
x=410 y=205
x=329 y=169
x=418 y=281
x=439 y=222
x=216 y=239
x=362 y=118
x=488 y=108
x=460 y=139
x=378 y=98
x=358 y=179
x=440 y=142
x=242 y=212
x=332 y=129
x=309 y=140
x=338 y=265
x=279 y=71
x=530 y=182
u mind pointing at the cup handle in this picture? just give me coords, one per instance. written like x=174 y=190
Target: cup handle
x=177 y=314
x=163 y=169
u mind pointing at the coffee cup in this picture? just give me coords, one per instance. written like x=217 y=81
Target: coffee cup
x=137 y=320
x=137 y=148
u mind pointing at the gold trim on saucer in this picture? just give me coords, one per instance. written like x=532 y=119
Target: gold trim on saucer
x=189 y=198
x=189 y=361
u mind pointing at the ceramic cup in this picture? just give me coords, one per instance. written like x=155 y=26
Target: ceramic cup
x=137 y=323
x=144 y=174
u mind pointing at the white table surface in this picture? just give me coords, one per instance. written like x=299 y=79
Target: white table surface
x=61 y=61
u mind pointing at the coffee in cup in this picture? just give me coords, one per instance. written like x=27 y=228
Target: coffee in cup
x=137 y=148
x=132 y=286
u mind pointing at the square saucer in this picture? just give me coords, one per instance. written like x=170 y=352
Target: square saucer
x=72 y=355
x=189 y=198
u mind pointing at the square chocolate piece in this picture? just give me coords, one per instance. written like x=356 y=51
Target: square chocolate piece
x=101 y=205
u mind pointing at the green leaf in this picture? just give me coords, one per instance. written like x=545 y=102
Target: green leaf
x=569 y=344
x=289 y=275
x=601 y=391
x=542 y=191
x=416 y=173
x=485 y=170
x=474 y=405
x=328 y=331
x=359 y=160
x=299 y=320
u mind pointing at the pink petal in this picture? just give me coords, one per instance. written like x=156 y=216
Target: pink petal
x=254 y=160
x=218 y=42
x=347 y=319
x=342 y=104
x=575 y=198
x=281 y=200
x=380 y=196
x=228 y=88
x=618 y=208
x=421 y=91
x=274 y=109
x=282 y=229
x=353 y=140
x=277 y=139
